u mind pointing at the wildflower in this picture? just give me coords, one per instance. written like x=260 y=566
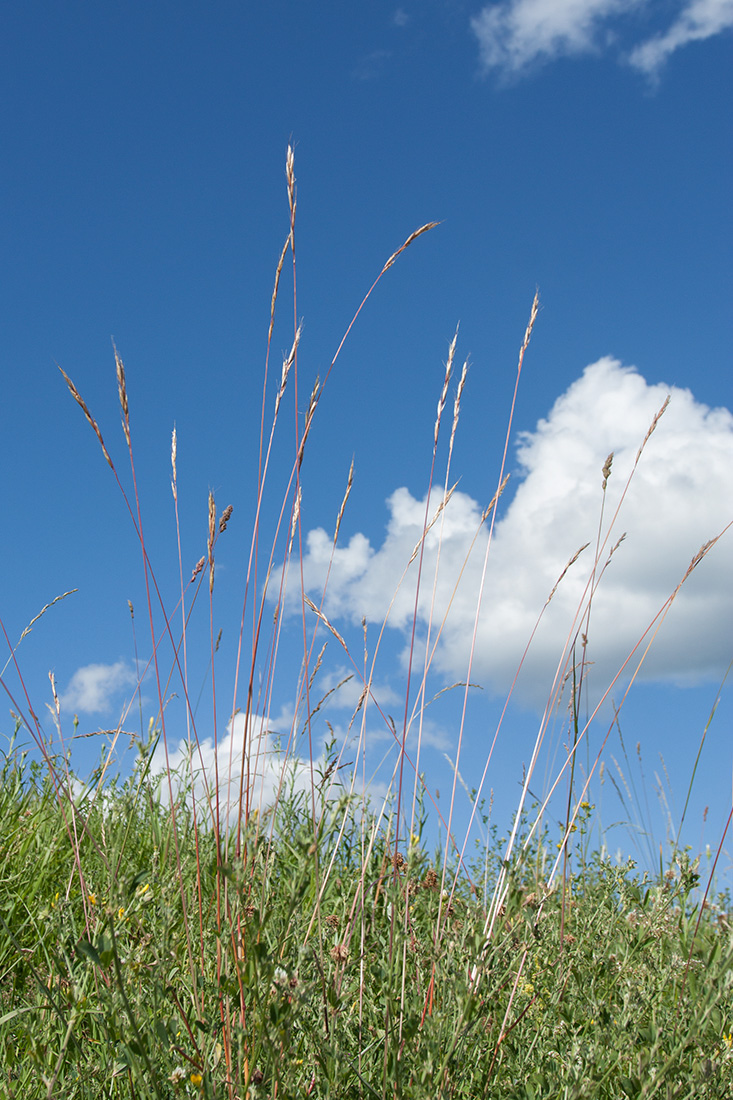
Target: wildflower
x=340 y=953
x=120 y=913
x=196 y=1079
x=92 y=899
x=142 y=890
x=728 y=1040
x=178 y=1075
x=280 y=977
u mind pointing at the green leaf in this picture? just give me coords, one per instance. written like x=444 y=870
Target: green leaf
x=84 y=947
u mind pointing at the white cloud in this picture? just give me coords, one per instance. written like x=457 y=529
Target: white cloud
x=516 y=34
x=699 y=20
x=261 y=765
x=679 y=498
x=92 y=688
x=371 y=65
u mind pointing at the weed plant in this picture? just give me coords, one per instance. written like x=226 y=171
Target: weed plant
x=175 y=935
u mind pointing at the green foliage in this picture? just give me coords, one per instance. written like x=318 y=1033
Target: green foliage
x=138 y=961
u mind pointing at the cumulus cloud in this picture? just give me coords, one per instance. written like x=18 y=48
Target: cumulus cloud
x=678 y=499
x=257 y=763
x=699 y=20
x=92 y=688
x=516 y=34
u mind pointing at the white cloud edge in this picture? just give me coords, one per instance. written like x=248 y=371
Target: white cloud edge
x=516 y=35
x=678 y=500
x=93 y=687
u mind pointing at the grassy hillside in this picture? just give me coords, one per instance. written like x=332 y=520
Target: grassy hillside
x=140 y=961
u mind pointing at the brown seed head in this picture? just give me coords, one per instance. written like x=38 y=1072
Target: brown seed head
x=82 y=405
x=122 y=389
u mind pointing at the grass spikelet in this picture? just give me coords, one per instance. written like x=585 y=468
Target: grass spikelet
x=82 y=405
x=492 y=503
x=652 y=427
x=428 y=527
x=122 y=390
x=329 y=625
x=413 y=237
x=342 y=509
x=530 y=325
x=225 y=517
x=210 y=540
x=457 y=407
x=43 y=611
x=444 y=391
x=606 y=471
x=174 y=474
x=287 y=365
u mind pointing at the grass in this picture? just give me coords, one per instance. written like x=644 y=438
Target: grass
x=607 y=986
x=192 y=934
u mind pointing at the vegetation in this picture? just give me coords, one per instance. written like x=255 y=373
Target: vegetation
x=137 y=962
x=170 y=935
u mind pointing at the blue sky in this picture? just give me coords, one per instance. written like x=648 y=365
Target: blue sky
x=582 y=148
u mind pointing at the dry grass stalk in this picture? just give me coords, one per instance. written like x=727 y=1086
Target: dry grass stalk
x=82 y=405
x=174 y=454
x=571 y=561
x=432 y=523
x=296 y=516
x=225 y=517
x=310 y=413
x=444 y=391
x=457 y=407
x=413 y=237
x=316 y=611
x=57 y=705
x=122 y=390
x=532 y=318
x=342 y=509
x=700 y=555
x=319 y=661
x=43 y=611
x=492 y=504
x=290 y=177
x=210 y=540
x=287 y=364
x=607 y=470
x=278 y=273
x=652 y=427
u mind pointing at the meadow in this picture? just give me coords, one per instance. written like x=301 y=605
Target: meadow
x=179 y=933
